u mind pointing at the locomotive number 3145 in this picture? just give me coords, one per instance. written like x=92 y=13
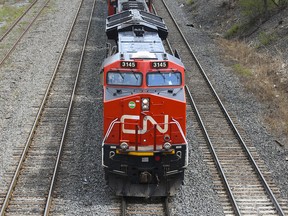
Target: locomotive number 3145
x=128 y=64
x=160 y=64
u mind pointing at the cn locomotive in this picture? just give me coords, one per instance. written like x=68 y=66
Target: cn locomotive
x=144 y=149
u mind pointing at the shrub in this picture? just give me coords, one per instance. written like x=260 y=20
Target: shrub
x=265 y=38
x=190 y=2
x=232 y=31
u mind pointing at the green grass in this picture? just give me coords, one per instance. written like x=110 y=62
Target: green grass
x=232 y=31
x=265 y=39
x=242 y=70
x=190 y=2
x=10 y=13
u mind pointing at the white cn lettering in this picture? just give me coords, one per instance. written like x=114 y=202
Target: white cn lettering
x=145 y=120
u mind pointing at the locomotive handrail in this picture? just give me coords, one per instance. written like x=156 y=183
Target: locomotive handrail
x=105 y=137
x=114 y=122
x=109 y=130
x=182 y=134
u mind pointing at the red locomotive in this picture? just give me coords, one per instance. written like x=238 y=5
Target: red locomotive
x=145 y=151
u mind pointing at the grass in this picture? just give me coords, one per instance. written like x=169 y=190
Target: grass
x=232 y=31
x=265 y=39
x=246 y=72
x=190 y=2
x=259 y=73
x=9 y=13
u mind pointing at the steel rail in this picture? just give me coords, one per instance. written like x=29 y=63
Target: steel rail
x=23 y=33
x=37 y=119
x=17 y=20
x=49 y=198
x=243 y=144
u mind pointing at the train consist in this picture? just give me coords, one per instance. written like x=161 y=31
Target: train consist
x=144 y=149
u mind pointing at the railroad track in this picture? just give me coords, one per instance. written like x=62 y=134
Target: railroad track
x=244 y=186
x=11 y=38
x=32 y=186
x=140 y=206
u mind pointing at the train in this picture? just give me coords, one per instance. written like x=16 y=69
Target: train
x=144 y=148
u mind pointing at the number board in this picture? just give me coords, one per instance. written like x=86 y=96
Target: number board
x=160 y=64
x=128 y=64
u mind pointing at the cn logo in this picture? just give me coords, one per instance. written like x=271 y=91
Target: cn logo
x=145 y=122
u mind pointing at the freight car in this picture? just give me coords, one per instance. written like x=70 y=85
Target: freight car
x=144 y=149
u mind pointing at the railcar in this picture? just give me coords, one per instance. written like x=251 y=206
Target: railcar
x=144 y=149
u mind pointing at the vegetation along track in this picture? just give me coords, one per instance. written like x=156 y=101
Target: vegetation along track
x=10 y=28
x=11 y=38
x=243 y=189
x=33 y=181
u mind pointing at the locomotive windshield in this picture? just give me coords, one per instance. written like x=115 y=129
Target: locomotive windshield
x=124 y=78
x=164 y=79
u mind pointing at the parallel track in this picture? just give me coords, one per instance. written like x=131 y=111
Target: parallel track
x=11 y=38
x=243 y=189
x=32 y=186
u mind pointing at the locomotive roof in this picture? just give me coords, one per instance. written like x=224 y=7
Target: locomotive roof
x=130 y=43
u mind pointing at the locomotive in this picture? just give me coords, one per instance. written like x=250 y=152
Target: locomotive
x=144 y=149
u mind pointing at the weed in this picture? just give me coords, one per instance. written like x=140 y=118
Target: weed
x=9 y=13
x=190 y=2
x=242 y=70
x=265 y=38
x=232 y=31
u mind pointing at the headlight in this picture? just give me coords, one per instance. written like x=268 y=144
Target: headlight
x=145 y=104
x=124 y=146
x=167 y=146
